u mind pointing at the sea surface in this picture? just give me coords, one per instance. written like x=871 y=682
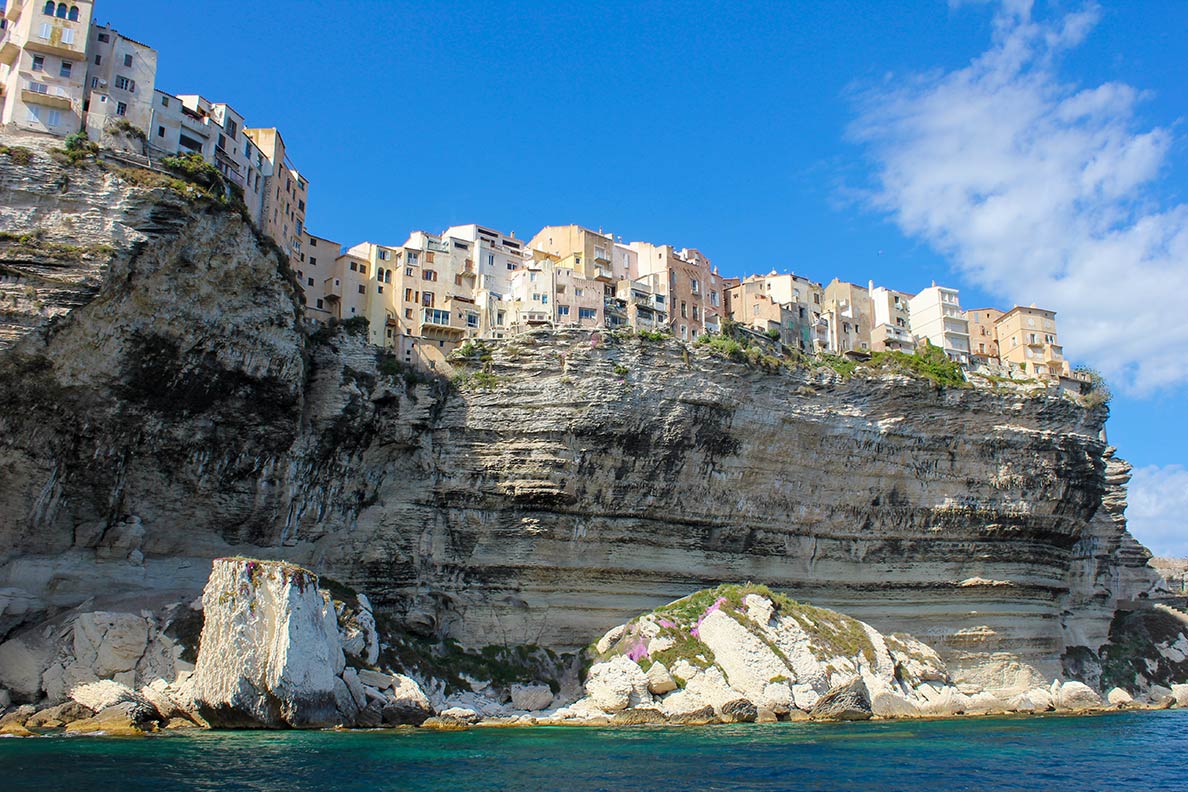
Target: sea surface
x=1117 y=751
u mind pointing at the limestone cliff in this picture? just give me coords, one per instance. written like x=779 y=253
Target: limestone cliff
x=169 y=408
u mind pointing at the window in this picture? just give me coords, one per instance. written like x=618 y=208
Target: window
x=94 y=82
x=38 y=63
x=62 y=11
x=490 y=259
x=313 y=262
x=54 y=118
x=472 y=320
x=310 y=281
x=408 y=271
x=578 y=292
x=121 y=109
x=684 y=310
x=587 y=313
x=429 y=275
x=34 y=114
x=98 y=60
x=362 y=289
x=562 y=310
x=104 y=38
x=408 y=295
x=320 y=305
x=385 y=255
x=40 y=88
x=128 y=61
x=45 y=30
x=124 y=84
x=379 y=289
x=231 y=127
x=160 y=131
x=164 y=101
x=67 y=67
x=73 y=15
x=427 y=299
x=67 y=36
x=49 y=8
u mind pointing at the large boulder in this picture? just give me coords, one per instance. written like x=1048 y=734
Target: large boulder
x=405 y=703
x=270 y=648
x=617 y=685
x=21 y=665
x=532 y=698
x=846 y=702
x=126 y=719
x=1077 y=696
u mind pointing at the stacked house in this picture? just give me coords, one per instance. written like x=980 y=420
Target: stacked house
x=61 y=73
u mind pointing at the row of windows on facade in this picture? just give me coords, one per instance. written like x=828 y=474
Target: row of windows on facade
x=61 y=11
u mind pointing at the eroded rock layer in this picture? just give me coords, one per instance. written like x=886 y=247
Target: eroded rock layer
x=174 y=411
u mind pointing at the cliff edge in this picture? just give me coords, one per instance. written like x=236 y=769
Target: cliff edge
x=164 y=406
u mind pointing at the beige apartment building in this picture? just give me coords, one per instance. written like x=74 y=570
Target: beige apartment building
x=43 y=65
x=983 y=334
x=849 y=312
x=120 y=82
x=1027 y=339
x=936 y=315
x=892 y=320
x=318 y=266
x=803 y=299
x=284 y=190
x=693 y=288
x=752 y=305
x=591 y=253
x=643 y=302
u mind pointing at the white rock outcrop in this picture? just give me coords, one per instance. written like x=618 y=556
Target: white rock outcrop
x=617 y=685
x=270 y=650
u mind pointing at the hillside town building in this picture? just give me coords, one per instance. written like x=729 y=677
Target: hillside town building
x=62 y=73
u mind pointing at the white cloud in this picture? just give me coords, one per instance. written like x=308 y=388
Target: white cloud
x=1042 y=192
x=1157 y=513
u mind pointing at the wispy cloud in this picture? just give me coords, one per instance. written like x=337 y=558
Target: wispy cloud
x=1042 y=191
x=1158 y=509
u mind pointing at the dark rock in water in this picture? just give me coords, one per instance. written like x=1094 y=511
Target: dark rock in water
x=739 y=711
x=638 y=717
x=405 y=713
x=371 y=716
x=58 y=716
x=847 y=702
x=699 y=717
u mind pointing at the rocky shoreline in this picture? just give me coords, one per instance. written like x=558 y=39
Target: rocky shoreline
x=277 y=651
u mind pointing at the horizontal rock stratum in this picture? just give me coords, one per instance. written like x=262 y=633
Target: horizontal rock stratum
x=163 y=406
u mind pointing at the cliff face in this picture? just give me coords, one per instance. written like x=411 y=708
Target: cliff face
x=170 y=410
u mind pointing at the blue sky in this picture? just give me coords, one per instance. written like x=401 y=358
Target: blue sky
x=855 y=139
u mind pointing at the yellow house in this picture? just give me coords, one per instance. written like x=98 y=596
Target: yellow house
x=43 y=65
x=1027 y=338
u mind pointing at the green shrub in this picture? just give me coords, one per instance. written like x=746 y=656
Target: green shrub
x=1096 y=391
x=928 y=361
x=356 y=325
x=19 y=155
x=123 y=126
x=621 y=370
x=842 y=365
x=653 y=335
x=773 y=334
x=192 y=167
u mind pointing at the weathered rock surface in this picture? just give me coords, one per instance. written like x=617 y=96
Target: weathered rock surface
x=270 y=648
x=164 y=406
x=847 y=702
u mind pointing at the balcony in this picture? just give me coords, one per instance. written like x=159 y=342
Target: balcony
x=54 y=45
x=9 y=51
x=437 y=319
x=56 y=101
x=14 y=9
x=603 y=273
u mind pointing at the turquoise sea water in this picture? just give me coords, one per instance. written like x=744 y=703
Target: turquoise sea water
x=1132 y=751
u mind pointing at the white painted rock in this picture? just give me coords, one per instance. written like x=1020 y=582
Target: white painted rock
x=1118 y=697
x=617 y=685
x=659 y=680
x=748 y=662
x=1077 y=696
x=105 y=693
x=270 y=648
x=531 y=698
x=1035 y=700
